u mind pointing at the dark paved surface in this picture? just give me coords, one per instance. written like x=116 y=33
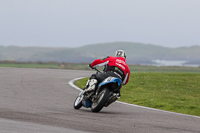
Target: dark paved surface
x=40 y=100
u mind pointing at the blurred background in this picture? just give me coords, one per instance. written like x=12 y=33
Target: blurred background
x=152 y=32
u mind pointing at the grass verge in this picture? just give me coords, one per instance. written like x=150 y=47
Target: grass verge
x=176 y=92
x=84 y=66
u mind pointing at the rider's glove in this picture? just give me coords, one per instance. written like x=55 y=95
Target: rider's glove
x=90 y=66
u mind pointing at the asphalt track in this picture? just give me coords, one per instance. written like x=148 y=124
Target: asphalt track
x=41 y=100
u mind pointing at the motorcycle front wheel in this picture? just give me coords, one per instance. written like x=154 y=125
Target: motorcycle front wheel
x=78 y=102
x=103 y=97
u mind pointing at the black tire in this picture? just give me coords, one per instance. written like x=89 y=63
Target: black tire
x=103 y=98
x=78 y=102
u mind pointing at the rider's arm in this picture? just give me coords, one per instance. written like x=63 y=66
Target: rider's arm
x=126 y=79
x=100 y=62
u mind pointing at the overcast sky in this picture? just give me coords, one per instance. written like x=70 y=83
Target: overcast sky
x=72 y=23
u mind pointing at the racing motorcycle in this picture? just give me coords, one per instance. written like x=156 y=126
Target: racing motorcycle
x=102 y=97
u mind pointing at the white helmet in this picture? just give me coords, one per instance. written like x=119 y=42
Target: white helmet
x=120 y=53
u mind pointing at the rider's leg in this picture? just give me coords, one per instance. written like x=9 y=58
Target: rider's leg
x=91 y=83
x=118 y=91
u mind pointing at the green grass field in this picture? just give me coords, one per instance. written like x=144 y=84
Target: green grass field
x=177 y=92
x=49 y=65
x=30 y=65
x=83 y=66
x=137 y=68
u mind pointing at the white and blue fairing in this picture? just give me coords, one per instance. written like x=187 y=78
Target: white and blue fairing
x=110 y=80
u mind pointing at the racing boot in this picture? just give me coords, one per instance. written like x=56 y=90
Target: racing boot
x=91 y=85
x=112 y=99
x=115 y=96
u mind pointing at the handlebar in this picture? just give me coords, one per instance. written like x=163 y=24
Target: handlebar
x=94 y=68
x=97 y=70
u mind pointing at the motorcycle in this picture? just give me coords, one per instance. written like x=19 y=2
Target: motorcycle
x=102 y=97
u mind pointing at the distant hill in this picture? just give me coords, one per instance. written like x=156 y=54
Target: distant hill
x=137 y=53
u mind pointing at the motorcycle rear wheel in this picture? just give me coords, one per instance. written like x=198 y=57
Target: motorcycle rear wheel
x=103 y=97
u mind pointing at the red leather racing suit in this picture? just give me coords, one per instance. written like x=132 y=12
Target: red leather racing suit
x=114 y=64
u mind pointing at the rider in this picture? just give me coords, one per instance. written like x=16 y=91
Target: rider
x=114 y=66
